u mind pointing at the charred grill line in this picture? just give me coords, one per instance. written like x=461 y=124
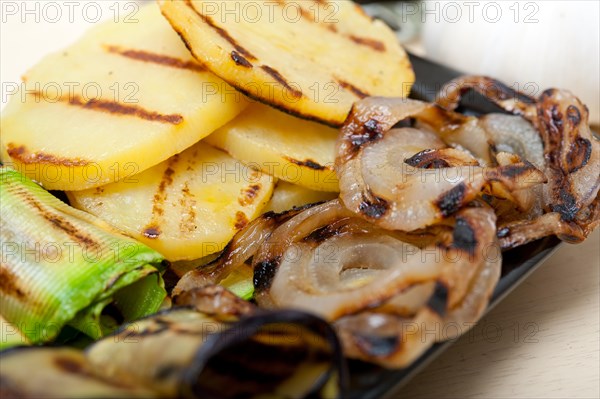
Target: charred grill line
x=264 y=272
x=154 y=58
x=21 y=154
x=222 y=32
x=451 y=201
x=355 y=90
x=309 y=163
x=115 y=108
x=240 y=60
x=279 y=78
x=439 y=299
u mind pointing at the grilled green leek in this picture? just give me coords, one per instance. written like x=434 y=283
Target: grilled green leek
x=62 y=266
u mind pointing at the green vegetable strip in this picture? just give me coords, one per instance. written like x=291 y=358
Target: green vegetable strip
x=60 y=265
x=240 y=282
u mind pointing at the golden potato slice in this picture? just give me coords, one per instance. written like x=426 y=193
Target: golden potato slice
x=313 y=59
x=287 y=196
x=292 y=149
x=125 y=97
x=186 y=207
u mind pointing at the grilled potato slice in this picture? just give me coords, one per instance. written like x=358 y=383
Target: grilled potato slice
x=287 y=196
x=186 y=207
x=126 y=97
x=292 y=149
x=313 y=59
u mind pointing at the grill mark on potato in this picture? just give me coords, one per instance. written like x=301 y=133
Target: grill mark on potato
x=9 y=283
x=154 y=58
x=222 y=32
x=283 y=107
x=188 y=216
x=309 y=16
x=249 y=194
x=21 y=154
x=241 y=220
x=115 y=108
x=240 y=60
x=152 y=229
x=368 y=42
x=309 y=163
x=450 y=201
x=279 y=78
x=355 y=90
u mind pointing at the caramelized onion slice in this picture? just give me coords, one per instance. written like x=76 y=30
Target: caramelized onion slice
x=514 y=134
x=388 y=340
x=384 y=336
x=366 y=271
x=571 y=158
x=333 y=264
x=507 y=98
x=237 y=252
x=378 y=184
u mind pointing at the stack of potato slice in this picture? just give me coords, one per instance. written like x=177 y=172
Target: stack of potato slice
x=124 y=141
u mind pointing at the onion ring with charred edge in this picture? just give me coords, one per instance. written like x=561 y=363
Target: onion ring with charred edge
x=381 y=172
x=239 y=250
x=374 y=278
x=571 y=154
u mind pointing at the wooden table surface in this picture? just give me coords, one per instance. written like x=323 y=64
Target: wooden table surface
x=542 y=341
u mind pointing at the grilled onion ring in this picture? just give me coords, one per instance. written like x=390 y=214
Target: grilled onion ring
x=327 y=261
x=571 y=158
x=380 y=173
x=237 y=252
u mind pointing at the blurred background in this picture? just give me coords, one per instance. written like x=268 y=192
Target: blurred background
x=530 y=45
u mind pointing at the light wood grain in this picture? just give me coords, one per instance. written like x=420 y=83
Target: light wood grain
x=542 y=341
